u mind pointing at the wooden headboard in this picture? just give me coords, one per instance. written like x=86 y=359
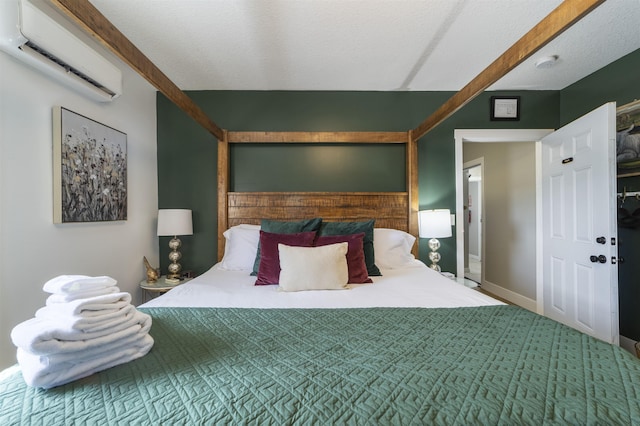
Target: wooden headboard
x=398 y=210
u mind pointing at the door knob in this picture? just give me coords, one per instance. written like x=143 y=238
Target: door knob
x=601 y=240
x=598 y=259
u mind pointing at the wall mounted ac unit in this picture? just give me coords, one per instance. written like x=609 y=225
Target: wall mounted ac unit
x=30 y=35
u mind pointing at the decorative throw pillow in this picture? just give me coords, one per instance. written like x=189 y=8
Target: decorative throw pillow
x=280 y=227
x=269 y=271
x=355 y=255
x=345 y=228
x=313 y=268
x=240 y=248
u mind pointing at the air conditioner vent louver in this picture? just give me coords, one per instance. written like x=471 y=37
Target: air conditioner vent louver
x=32 y=36
x=67 y=67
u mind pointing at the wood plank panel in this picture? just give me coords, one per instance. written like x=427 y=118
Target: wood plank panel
x=98 y=26
x=554 y=24
x=317 y=137
x=380 y=223
x=317 y=199
x=223 y=189
x=389 y=209
x=251 y=207
x=413 y=204
x=327 y=213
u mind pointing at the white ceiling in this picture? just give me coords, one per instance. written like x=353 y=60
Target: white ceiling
x=379 y=45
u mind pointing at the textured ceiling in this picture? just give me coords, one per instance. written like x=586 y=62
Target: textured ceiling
x=379 y=45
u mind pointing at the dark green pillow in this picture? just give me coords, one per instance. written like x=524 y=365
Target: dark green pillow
x=280 y=227
x=348 y=228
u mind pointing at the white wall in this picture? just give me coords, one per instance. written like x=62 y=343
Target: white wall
x=475 y=209
x=32 y=248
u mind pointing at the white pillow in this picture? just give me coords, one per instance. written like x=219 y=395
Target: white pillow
x=313 y=268
x=392 y=248
x=241 y=246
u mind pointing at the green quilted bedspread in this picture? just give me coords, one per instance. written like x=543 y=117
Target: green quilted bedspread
x=488 y=365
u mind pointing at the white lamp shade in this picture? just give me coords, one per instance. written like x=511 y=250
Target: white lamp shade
x=434 y=223
x=172 y=222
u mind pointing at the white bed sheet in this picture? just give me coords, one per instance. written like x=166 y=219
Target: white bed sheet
x=418 y=286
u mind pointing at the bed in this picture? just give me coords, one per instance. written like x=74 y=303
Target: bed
x=410 y=347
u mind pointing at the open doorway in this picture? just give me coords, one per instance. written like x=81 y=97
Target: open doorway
x=473 y=212
x=520 y=291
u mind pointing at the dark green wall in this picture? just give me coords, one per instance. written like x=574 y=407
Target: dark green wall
x=619 y=82
x=371 y=167
x=187 y=154
x=187 y=179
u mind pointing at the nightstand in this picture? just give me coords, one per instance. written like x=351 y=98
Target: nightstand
x=151 y=290
x=466 y=282
x=461 y=280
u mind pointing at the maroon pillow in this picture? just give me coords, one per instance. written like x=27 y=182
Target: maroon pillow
x=355 y=255
x=269 y=270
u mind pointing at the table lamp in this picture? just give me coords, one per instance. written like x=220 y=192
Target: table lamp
x=434 y=224
x=174 y=222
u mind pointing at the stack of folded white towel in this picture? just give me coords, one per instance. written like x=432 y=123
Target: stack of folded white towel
x=87 y=325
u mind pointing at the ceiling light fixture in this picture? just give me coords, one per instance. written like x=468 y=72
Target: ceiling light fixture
x=547 y=61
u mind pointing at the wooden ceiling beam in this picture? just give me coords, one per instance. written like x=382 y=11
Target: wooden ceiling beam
x=561 y=18
x=320 y=137
x=97 y=25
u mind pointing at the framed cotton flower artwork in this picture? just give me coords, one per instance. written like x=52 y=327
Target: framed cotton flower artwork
x=89 y=170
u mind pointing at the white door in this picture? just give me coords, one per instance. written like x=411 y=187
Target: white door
x=580 y=285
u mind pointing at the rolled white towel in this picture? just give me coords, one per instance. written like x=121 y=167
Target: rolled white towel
x=59 y=374
x=67 y=284
x=70 y=297
x=87 y=323
x=91 y=306
x=43 y=337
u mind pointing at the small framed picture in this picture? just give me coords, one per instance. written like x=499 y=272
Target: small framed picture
x=505 y=108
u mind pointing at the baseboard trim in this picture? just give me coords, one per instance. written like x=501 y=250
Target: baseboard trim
x=511 y=296
x=628 y=344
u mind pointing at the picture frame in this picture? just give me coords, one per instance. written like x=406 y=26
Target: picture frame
x=505 y=108
x=628 y=139
x=89 y=170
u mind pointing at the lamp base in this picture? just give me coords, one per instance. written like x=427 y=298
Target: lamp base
x=434 y=256
x=174 y=268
